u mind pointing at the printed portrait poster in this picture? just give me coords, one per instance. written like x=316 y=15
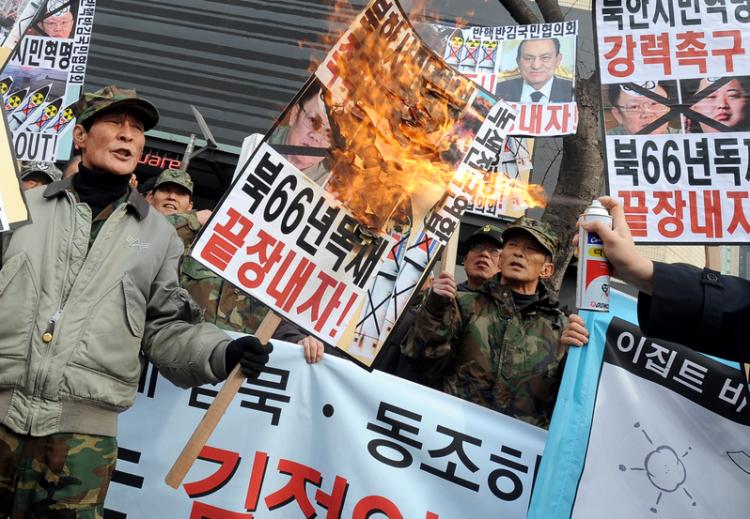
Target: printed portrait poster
x=532 y=67
x=337 y=214
x=645 y=428
x=44 y=78
x=676 y=118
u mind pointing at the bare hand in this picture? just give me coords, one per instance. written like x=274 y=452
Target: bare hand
x=627 y=263
x=312 y=348
x=575 y=333
x=444 y=285
x=203 y=215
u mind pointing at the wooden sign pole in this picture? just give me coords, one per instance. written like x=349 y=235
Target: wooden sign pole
x=218 y=407
x=448 y=258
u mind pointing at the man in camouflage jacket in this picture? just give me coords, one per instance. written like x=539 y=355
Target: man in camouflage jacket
x=500 y=347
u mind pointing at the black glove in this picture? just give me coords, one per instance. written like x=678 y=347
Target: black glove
x=251 y=355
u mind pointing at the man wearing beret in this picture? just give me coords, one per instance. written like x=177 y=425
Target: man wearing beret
x=482 y=258
x=500 y=347
x=86 y=291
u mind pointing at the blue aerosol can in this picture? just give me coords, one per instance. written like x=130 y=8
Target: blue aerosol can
x=592 y=291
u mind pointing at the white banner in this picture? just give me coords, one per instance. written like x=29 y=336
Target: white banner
x=328 y=439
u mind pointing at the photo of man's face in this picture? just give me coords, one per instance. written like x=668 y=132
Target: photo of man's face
x=309 y=127
x=58 y=26
x=726 y=105
x=634 y=111
x=537 y=61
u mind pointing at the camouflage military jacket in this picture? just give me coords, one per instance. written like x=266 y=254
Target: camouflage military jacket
x=223 y=304
x=481 y=348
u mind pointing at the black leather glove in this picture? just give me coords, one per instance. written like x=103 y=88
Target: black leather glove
x=249 y=353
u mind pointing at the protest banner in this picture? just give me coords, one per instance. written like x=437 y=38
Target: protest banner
x=327 y=439
x=357 y=186
x=676 y=117
x=644 y=428
x=45 y=76
x=532 y=67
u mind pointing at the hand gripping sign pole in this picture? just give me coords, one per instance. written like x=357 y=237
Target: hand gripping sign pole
x=218 y=407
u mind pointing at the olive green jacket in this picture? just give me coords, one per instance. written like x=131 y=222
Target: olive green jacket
x=76 y=323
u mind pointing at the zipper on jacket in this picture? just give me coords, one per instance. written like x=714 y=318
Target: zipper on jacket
x=49 y=333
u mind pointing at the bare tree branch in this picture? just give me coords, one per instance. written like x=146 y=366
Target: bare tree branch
x=520 y=11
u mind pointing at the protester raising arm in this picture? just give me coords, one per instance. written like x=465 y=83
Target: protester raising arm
x=698 y=308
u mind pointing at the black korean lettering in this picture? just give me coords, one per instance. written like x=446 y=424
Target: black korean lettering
x=650 y=162
x=320 y=223
x=278 y=200
x=259 y=183
x=493 y=140
x=727 y=158
x=440 y=226
x=148 y=379
x=697 y=162
x=343 y=239
x=365 y=261
x=276 y=379
x=396 y=430
x=507 y=473
x=296 y=212
x=456 y=445
x=742 y=12
x=717 y=6
x=689 y=12
x=481 y=159
x=626 y=159
x=613 y=11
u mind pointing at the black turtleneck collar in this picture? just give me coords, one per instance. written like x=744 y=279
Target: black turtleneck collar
x=98 y=188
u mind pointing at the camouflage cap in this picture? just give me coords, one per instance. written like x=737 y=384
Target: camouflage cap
x=46 y=169
x=114 y=98
x=175 y=176
x=541 y=232
x=490 y=232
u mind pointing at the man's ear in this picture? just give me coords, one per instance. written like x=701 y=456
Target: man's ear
x=558 y=60
x=547 y=270
x=190 y=207
x=79 y=135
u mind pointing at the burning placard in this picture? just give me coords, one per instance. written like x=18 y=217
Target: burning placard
x=336 y=216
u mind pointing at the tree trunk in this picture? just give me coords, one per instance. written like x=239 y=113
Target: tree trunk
x=580 y=177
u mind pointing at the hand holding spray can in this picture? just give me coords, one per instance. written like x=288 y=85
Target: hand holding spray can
x=592 y=291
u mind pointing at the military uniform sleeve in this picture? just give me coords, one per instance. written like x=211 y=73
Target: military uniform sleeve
x=174 y=339
x=432 y=342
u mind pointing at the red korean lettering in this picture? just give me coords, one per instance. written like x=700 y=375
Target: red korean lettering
x=252 y=274
x=287 y=296
x=671 y=225
x=314 y=302
x=712 y=221
x=228 y=462
x=226 y=239
x=729 y=53
x=636 y=212
x=738 y=212
x=655 y=50
x=617 y=65
x=255 y=484
x=295 y=488
x=205 y=511
x=691 y=50
x=333 y=502
x=372 y=505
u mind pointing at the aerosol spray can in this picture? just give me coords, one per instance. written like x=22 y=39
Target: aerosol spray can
x=592 y=292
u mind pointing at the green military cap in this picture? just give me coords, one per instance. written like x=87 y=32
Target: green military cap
x=490 y=232
x=539 y=230
x=115 y=98
x=45 y=169
x=175 y=176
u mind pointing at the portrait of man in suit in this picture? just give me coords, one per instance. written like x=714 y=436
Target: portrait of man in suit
x=537 y=61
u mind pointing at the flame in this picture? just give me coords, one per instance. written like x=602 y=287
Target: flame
x=400 y=133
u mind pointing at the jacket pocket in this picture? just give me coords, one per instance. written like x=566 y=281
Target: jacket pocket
x=109 y=347
x=18 y=299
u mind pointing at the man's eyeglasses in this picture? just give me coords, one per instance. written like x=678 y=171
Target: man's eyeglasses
x=492 y=250
x=314 y=123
